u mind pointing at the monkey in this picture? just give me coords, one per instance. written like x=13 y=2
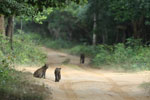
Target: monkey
x=40 y=73
x=82 y=57
x=57 y=74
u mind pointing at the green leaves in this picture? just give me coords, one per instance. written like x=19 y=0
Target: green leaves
x=124 y=10
x=30 y=7
x=25 y=50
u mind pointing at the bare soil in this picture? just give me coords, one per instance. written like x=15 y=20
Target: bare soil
x=80 y=82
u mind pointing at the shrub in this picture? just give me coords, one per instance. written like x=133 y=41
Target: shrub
x=120 y=53
x=13 y=86
x=132 y=56
x=128 y=56
x=57 y=44
x=103 y=55
x=87 y=50
x=26 y=50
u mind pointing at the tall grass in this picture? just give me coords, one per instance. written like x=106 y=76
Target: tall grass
x=14 y=86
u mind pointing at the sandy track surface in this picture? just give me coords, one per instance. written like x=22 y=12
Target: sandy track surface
x=80 y=82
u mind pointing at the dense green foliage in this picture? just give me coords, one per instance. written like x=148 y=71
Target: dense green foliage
x=61 y=24
x=122 y=31
x=116 y=21
x=130 y=56
x=13 y=86
x=56 y=44
x=25 y=51
x=30 y=7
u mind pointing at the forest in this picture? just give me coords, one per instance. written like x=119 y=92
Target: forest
x=113 y=35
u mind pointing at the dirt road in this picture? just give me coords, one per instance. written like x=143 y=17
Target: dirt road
x=83 y=83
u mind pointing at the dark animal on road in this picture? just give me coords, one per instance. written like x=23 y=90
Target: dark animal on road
x=82 y=58
x=40 y=73
x=57 y=74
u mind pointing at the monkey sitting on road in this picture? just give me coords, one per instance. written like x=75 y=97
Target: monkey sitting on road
x=82 y=57
x=40 y=73
x=57 y=74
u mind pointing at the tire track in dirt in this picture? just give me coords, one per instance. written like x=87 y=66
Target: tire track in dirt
x=76 y=84
x=71 y=95
x=115 y=87
x=67 y=88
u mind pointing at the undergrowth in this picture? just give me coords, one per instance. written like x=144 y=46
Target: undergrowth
x=26 y=49
x=146 y=87
x=16 y=85
x=133 y=55
x=130 y=56
x=56 y=44
x=13 y=84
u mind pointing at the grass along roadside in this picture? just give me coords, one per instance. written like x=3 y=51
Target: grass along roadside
x=20 y=86
x=15 y=85
x=133 y=55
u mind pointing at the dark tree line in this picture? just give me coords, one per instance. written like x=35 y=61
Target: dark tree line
x=98 y=21
x=9 y=9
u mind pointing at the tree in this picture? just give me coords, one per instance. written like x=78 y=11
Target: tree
x=2 y=28
x=135 y=12
x=97 y=12
x=13 y=8
x=93 y=9
x=94 y=29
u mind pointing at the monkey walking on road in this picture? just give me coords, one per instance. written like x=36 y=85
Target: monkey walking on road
x=82 y=57
x=57 y=74
x=40 y=73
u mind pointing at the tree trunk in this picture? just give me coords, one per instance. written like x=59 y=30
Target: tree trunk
x=56 y=32
x=117 y=36
x=137 y=28
x=124 y=36
x=103 y=38
x=135 y=32
x=2 y=24
x=21 y=24
x=9 y=26
x=94 y=30
x=70 y=36
x=10 y=30
x=94 y=39
x=105 y=35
